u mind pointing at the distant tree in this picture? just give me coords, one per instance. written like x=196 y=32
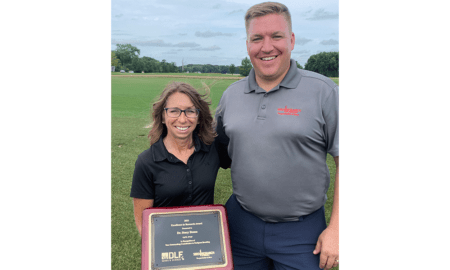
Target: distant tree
x=173 y=67
x=115 y=62
x=126 y=53
x=137 y=65
x=155 y=65
x=325 y=63
x=210 y=69
x=148 y=64
x=164 y=66
x=232 y=68
x=206 y=68
x=246 y=66
x=298 y=65
x=224 y=69
x=214 y=69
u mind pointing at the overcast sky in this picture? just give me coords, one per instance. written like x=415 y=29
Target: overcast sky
x=213 y=31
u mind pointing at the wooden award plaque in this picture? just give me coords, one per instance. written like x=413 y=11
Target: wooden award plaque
x=186 y=238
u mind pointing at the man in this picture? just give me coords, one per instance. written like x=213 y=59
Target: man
x=278 y=124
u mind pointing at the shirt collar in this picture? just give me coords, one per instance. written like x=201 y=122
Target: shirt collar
x=160 y=152
x=291 y=80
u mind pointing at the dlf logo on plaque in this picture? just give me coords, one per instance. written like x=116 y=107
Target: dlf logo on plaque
x=172 y=256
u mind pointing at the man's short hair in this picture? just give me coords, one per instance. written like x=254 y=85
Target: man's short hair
x=266 y=8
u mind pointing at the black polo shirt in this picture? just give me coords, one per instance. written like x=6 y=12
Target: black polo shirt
x=160 y=176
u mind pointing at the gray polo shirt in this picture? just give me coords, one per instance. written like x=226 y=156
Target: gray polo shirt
x=278 y=142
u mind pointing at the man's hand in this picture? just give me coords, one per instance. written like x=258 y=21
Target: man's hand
x=328 y=247
x=328 y=242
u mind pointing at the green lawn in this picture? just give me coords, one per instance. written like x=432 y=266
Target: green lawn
x=130 y=102
x=182 y=74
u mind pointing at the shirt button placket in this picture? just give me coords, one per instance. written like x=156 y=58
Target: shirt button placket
x=262 y=112
x=190 y=183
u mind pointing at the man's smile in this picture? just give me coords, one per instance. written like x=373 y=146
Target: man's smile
x=268 y=58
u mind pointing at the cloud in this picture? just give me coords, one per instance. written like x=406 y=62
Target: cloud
x=151 y=43
x=305 y=13
x=302 y=41
x=216 y=6
x=182 y=34
x=300 y=52
x=186 y=44
x=118 y=33
x=329 y=42
x=321 y=14
x=118 y=16
x=155 y=43
x=209 y=34
x=212 y=48
x=171 y=52
x=236 y=11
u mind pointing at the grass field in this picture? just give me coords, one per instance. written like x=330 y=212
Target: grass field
x=181 y=74
x=130 y=102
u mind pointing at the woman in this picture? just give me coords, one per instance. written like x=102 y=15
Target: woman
x=181 y=165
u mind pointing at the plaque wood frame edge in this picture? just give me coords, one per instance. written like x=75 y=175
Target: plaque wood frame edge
x=145 y=260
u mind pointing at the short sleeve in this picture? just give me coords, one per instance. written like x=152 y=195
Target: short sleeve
x=330 y=110
x=225 y=161
x=142 y=186
x=222 y=140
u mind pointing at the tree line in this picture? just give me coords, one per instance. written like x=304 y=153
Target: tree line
x=126 y=57
x=325 y=63
x=209 y=68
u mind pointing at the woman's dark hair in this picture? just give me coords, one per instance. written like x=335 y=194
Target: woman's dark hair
x=206 y=124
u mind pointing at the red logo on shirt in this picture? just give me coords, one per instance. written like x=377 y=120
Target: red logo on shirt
x=288 y=111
